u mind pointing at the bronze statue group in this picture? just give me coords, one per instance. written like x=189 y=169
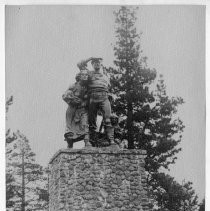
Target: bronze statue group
x=86 y=99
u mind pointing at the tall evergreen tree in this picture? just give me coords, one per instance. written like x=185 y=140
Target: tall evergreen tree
x=28 y=180
x=147 y=114
x=131 y=79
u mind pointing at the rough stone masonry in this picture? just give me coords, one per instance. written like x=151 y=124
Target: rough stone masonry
x=98 y=179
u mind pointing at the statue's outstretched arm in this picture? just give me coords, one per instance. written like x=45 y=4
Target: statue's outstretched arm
x=83 y=63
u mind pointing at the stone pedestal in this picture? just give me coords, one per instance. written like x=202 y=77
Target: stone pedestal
x=98 y=179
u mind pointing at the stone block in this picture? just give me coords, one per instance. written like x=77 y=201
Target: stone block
x=97 y=179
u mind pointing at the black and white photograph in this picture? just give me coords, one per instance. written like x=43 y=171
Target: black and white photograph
x=105 y=107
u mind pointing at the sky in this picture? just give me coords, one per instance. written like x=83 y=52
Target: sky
x=44 y=44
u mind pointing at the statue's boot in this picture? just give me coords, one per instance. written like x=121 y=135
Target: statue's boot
x=87 y=141
x=110 y=135
x=93 y=138
x=70 y=143
x=69 y=140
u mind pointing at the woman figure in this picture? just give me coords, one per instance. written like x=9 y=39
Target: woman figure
x=76 y=113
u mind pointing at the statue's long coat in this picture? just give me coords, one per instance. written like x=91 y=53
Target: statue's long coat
x=76 y=113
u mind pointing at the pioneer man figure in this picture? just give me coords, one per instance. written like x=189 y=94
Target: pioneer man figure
x=98 y=91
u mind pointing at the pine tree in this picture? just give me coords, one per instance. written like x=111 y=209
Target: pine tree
x=147 y=115
x=28 y=180
x=131 y=78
